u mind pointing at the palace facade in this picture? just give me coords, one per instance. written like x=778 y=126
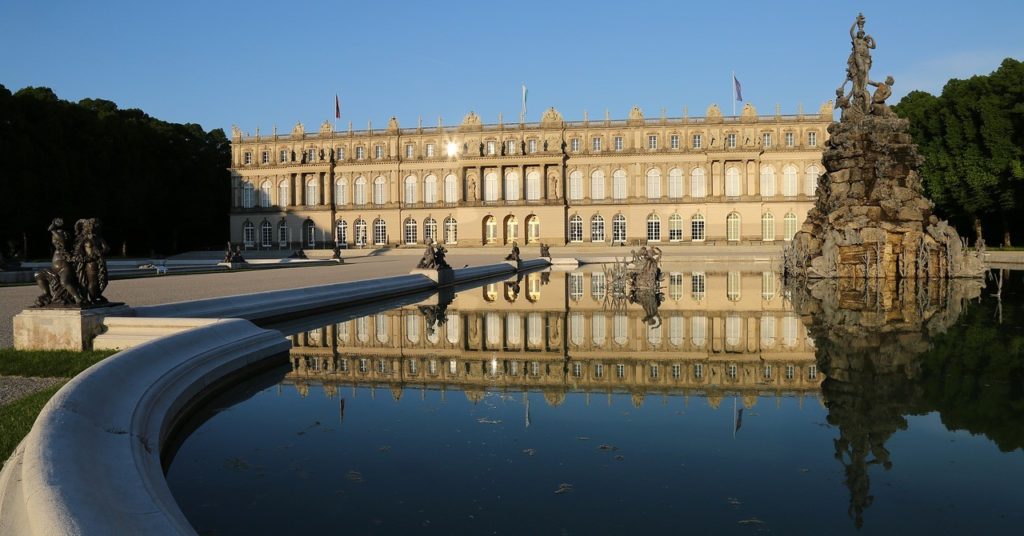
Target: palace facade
x=716 y=179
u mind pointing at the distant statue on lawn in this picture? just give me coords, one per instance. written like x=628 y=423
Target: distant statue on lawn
x=76 y=276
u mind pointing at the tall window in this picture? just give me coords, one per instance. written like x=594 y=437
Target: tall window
x=380 y=232
x=767 y=285
x=574 y=145
x=249 y=234
x=378 y=151
x=597 y=228
x=788 y=226
x=360 y=191
x=510 y=147
x=247 y=159
x=675 y=286
x=697 y=141
x=789 y=139
x=766 y=140
x=282 y=155
x=532 y=229
x=811 y=181
x=310 y=229
x=490 y=230
x=311 y=193
x=595 y=144
x=675 y=228
x=730 y=140
x=429 y=230
x=732 y=227
x=619 y=229
x=533 y=186
x=247 y=195
x=698 y=285
x=511 y=229
x=767 y=339
x=732 y=286
x=652 y=141
x=451 y=189
x=654 y=184
x=341 y=232
x=598 y=286
x=598 y=332
x=789 y=330
x=360 y=230
x=341 y=192
x=674 y=141
x=618 y=143
x=265 y=194
x=619 y=184
x=379 y=191
x=341 y=154
x=492 y=148
x=410 y=189
x=430 y=150
x=697 y=228
x=266 y=233
x=576 y=185
x=653 y=228
x=410 y=150
x=451 y=231
x=812 y=139
x=282 y=234
x=767 y=227
x=512 y=186
x=531 y=146
x=767 y=181
x=282 y=193
x=410 y=231
x=698 y=184
x=732 y=182
x=491 y=186
x=575 y=228
x=360 y=153
x=733 y=326
x=430 y=189
x=597 y=184
x=789 y=181
x=675 y=183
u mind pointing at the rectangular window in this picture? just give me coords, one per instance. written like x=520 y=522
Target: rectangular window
x=410 y=150
x=360 y=153
x=652 y=141
x=620 y=371
x=575 y=144
x=674 y=141
x=378 y=151
x=247 y=158
x=532 y=146
x=812 y=139
x=697 y=139
x=310 y=155
x=766 y=140
x=510 y=147
x=341 y=154
x=430 y=150
x=618 y=143
x=677 y=371
x=698 y=371
x=265 y=157
x=730 y=140
x=654 y=372
x=282 y=156
x=599 y=371
x=767 y=372
x=595 y=144
x=697 y=286
x=492 y=148
x=789 y=139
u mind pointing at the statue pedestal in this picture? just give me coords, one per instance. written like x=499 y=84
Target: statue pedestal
x=441 y=277
x=233 y=265
x=62 y=329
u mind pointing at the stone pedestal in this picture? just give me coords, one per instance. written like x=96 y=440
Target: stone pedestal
x=62 y=329
x=441 y=277
x=233 y=265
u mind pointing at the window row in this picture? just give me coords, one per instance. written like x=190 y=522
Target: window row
x=655 y=187
x=676 y=228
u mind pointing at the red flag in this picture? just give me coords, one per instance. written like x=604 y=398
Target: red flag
x=337 y=107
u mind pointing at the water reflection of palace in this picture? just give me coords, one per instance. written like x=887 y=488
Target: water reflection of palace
x=717 y=333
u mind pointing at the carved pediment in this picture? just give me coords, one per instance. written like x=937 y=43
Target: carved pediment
x=325 y=128
x=393 y=124
x=826 y=109
x=299 y=130
x=636 y=116
x=471 y=121
x=551 y=116
x=749 y=113
x=236 y=133
x=713 y=114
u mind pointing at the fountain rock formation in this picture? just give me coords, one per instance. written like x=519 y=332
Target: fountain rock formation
x=871 y=218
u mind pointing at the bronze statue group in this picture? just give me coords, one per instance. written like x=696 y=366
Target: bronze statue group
x=78 y=273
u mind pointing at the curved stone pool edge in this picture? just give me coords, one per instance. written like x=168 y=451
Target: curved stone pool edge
x=91 y=464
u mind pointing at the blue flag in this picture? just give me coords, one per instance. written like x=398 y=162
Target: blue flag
x=739 y=91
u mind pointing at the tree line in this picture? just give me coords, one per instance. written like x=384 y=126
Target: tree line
x=972 y=138
x=158 y=187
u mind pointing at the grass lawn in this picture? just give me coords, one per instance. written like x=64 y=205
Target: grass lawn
x=16 y=419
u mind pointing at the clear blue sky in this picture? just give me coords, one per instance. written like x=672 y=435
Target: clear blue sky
x=257 y=64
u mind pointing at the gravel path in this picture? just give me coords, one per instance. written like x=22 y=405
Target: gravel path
x=14 y=387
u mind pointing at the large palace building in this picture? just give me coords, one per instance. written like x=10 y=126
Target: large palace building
x=747 y=179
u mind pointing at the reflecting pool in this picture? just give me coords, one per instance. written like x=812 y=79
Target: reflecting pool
x=551 y=406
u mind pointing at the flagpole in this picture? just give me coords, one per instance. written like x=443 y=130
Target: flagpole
x=734 y=93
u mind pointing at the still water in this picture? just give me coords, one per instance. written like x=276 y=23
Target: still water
x=548 y=406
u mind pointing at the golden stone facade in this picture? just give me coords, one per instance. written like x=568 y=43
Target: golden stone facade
x=716 y=179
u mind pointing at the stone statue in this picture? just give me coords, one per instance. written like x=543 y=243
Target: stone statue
x=514 y=256
x=883 y=90
x=90 y=254
x=471 y=190
x=433 y=258
x=859 y=64
x=233 y=254
x=545 y=250
x=337 y=253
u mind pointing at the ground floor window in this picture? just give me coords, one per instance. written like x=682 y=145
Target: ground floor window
x=451 y=231
x=619 y=228
x=380 y=232
x=575 y=229
x=249 y=234
x=675 y=228
x=360 y=228
x=532 y=230
x=310 y=228
x=653 y=228
x=511 y=229
x=767 y=227
x=789 y=226
x=490 y=230
x=342 y=232
x=732 y=227
x=266 y=234
x=597 y=229
x=282 y=235
x=697 y=228
x=429 y=230
x=410 y=231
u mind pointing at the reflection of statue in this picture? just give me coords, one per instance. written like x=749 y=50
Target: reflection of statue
x=514 y=256
x=58 y=282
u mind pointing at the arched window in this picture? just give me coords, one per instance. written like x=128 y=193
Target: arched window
x=359 y=192
x=341 y=192
x=282 y=193
x=430 y=189
x=788 y=226
x=597 y=228
x=732 y=182
x=619 y=229
x=767 y=181
x=491 y=186
x=429 y=230
x=380 y=232
x=312 y=195
x=597 y=184
x=675 y=183
x=653 y=184
x=451 y=328
x=533 y=186
x=598 y=329
x=247 y=195
x=283 y=236
x=767 y=227
x=653 y=228
x=379 y=193
x=675 y=228
x=767 y=331
x=309 y=230
x=451 y=231
x=412 y=329
x=575 y=228
x=532 y=229
x=410 y=190
x=511 y=229
x=490 y=230
x=619 y=184
x=514 y=330
x=512 y=186
x=732 y=330
x=360 y=229
x=411 y=228
x=767 y=285
x=341 y=232
x=789 y=330
x=451 y=189
x=698 y=184
x=266 y=231
x=732 y=286
x=811 y=181
x=575 y=185
x=697 y=228
x=789 y=181
x=249 y=234
x=265 y=194
x=732 y=227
